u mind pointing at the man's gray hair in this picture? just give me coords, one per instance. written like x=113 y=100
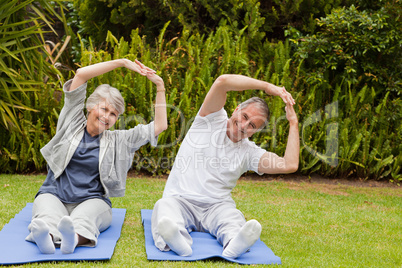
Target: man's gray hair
x=261 y=105
x=109 y=94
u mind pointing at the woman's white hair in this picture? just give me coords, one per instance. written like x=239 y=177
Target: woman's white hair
x=108 y=93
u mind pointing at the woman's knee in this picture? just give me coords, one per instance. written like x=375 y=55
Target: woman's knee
x=94 y=213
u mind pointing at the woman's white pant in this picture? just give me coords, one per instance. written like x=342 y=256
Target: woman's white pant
x=90 y=217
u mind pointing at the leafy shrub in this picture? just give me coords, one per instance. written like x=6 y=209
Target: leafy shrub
x=357 y=47
x=263 y=18
x=25 y=107
x=354 y=59
x=202 y=16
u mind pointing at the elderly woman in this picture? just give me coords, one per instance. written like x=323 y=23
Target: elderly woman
x=87 y=162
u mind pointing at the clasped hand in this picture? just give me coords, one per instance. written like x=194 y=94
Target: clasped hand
x=140 y=68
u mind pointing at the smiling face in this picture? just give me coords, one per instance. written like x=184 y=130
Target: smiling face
x=244 y=122
x=101 y=117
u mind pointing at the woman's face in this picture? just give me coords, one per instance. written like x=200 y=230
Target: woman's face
x=101 y=117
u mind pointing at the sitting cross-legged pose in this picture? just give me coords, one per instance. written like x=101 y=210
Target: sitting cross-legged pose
x=215 y=152
x=87 y=162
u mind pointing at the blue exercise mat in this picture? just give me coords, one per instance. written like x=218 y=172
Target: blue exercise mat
x=15 y=250
x=205 y=246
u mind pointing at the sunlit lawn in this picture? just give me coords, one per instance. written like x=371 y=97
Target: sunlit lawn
x=305 y=224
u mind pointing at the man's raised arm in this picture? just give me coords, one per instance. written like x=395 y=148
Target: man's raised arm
x=216 y=97
x=270 y=163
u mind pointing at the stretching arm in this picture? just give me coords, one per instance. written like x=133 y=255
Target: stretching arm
x=85 y=73
x=271 y=163
x=216 y=97
x=160 y=101
x=160 y=104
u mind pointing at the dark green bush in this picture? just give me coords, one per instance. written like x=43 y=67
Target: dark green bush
x=263 y=18
x=355 y=47
x=202 y=16
x=354 y=58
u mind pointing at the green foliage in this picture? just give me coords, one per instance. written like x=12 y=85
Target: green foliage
x=341 y=134
x=360 y=47
x=20 y=34
x=23 y=70
x=367 y=140
x=262 y=18
x=300 y=14
x=355 y=59
x=120 y=17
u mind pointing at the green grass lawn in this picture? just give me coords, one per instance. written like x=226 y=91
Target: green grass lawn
x=305 y=224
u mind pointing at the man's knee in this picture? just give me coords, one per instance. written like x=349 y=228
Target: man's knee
x=166 y=203
x=161 y=207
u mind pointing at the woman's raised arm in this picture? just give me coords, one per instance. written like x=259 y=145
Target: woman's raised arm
x=85 y=73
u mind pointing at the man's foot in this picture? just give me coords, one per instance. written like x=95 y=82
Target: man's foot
x=170 y=233
x=40 y=232
x=69 y=238
x=247 y=236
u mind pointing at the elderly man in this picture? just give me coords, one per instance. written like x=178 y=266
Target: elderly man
x=214 y=154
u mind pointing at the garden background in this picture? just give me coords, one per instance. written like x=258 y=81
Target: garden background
x=340 y=59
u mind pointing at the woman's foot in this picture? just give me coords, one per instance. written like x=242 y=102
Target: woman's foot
x=69 y=238
x=41 y=235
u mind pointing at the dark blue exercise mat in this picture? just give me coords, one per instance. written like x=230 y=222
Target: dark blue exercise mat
x=205 y=246
x=15 y=250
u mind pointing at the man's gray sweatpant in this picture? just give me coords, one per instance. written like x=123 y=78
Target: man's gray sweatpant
x=222 y=219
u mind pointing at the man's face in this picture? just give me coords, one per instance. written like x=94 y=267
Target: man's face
x=244 y=122
x=101 y=117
